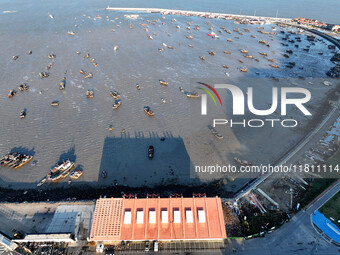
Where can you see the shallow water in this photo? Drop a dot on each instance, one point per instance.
(78, 128)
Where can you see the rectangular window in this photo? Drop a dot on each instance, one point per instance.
(165, 216)
(127, 217)
(140, 216)
(152, 216)
(188, 215)
(201, 215)
(177, 215)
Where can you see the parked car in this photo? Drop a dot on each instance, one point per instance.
(151, 151)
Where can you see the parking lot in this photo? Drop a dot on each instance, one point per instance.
(172, 246)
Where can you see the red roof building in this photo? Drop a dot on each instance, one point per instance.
(135, 219)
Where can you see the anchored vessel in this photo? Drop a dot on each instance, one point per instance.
(60, 171)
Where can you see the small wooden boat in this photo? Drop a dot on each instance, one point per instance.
(163, 100)
(249, 56)
(192, 95)
(90, 75)
(164, 83)
(55, 103)
(215, 133)
(78, 52)
(116, 104)
(71, 33)
(29, 52)
(275, 66)
(242, 162)
(263, 54)
(202, 58)
(253, 36)
(92, 60)
(11, 93)
(229, 40)
(44, 75)
(51, 56)
(244, 51)
(23, 87)
(262, 41)
(42, 182)
(225, 66)
(75, 174)
(62, 84)
(227, 52)
(148, 111)
(212, 53)
(244, 70)
(170, 47)
(87, 55)
(191, 46)
(181, 89)
(15, 57)
(137, 86)
(271, 60)
(115, 94)
(82, 72)
(257, 60)
(90, 93)
(190, 37)
(22, 114)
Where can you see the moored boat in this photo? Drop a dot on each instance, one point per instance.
(60, 171)
(242, 162)
(76, 174)
(55, 103)
(192, 95)
(89, 93)
(148, 111)
(115, 94)
(164, 83)
(116, 104)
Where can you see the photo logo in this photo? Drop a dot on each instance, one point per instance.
(239, 99)
(204, 97)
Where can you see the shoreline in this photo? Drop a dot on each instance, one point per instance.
(193, 13)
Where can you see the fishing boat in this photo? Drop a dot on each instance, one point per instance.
(76, 174)
(137, 86)
(215, 133)
(192, 95)
(42, 182)
(191, 46)
(253, 36)
(263, 54)
(90, 75)
(55, 103)
(148, 111)
(262, 41)
(29, 52)
(116, 104)
(23, 161)
(115, 94)
(242, 162)
(22, 114)
(190, 37)
(15, 57)
(275, 66)
(244, 70)
(23, 87)
(60, 171)
(62, 84)
(202, 58)
(229, 40)
(244, 51)
(164, 83)
(82, 72)
(89, 93)
(163, 100)
(225, 66)
(212, 53)
(78, 52)
(11, 93)
(44, 75)
(71, 33)
(249, 56)
(87, 55)
(51, 56)
(227, 52)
